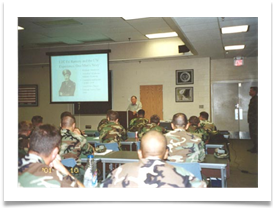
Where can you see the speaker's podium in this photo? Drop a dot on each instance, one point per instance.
(125, 117)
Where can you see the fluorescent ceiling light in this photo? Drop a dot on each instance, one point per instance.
(235, 29)
(20, 28)
(131, 18)
(234, 47)
(162, 35)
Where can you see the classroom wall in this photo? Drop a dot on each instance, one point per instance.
(127, 76)
(224, 70)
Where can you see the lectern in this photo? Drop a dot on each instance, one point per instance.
(125, 117)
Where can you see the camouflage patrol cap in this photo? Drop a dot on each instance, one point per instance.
(66, 71)
(222, 155)
(101, 148)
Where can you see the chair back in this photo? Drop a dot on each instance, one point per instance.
(138, 145)
(193, 168)
(113, 146)
(131, 134)
(69, 162)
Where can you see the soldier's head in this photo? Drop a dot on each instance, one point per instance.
(25, 128)
(179, 121)
(155, 119)
(194, 121)
(153, 145)
(108, 113)
(134, 99)
(45, 141)
(141, 113)
(65, 113)
(37, 120)
(113, 116)
(68, 122)
(203, 115)
(66, 73)
(253, 91)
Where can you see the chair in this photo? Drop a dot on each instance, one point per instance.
(113, 146)
(131, 134)
(138, 145)
(193, 168)
(96, 134)
(69, 162)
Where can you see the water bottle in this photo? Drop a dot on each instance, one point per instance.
(90, 176)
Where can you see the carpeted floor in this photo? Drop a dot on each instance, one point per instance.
(241, 159)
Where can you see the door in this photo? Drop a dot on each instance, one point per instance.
(151, 97)
(230, 106)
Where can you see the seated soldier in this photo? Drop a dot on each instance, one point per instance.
(153, 125)
(24, 131)
(113, 131)
(104, 121)
(137, 123)
(204, 123)
(152, 171)
(37, 121)
(76, 129)
(194, 128)
(73, 145)
(183, 146)
(42, 166)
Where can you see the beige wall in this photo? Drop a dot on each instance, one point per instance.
(223, 69)
(127, 76)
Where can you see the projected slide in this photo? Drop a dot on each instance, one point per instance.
(79, 78)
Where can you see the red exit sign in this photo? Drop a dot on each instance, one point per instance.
(238, 61)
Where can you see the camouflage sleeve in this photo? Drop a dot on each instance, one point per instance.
(101, 124)
(132, 123)
(201, 151)
(195, 182)
(41, 175)
(86, 148)
(123, 134)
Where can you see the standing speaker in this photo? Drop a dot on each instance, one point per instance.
(183, 49)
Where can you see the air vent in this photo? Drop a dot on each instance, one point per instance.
(57, 23)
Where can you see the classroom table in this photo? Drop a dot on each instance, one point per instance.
(215, 167)
(211, 167)
(129, 141)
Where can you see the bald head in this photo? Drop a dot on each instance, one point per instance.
(153, 144)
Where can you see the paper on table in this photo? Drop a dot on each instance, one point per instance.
(104, 153)
(95, 137)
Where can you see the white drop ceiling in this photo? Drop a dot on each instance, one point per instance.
(202, 35)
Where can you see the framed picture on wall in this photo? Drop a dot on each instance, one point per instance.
(184, 94)
(28, 95)
(184, 77)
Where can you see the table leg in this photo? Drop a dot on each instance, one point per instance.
(223, 177)
(104, 170)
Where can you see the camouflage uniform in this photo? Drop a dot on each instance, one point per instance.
(151, 173)
(112, 132)
(151, 126)
(137, 123)
(199, 131)
(72, 146)
(102, 123)
(33, 172)
(23, 148)
(207, 125)
(184, 146)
